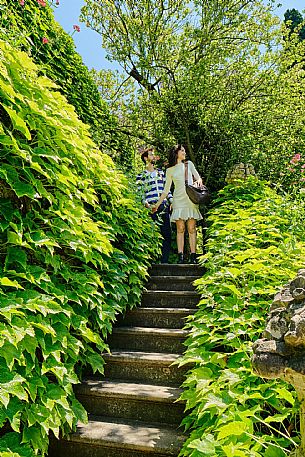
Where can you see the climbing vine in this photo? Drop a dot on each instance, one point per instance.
(74, 249)
(31, 27)
(255, 245)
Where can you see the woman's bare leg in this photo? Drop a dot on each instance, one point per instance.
(191, 228)
(180, 234)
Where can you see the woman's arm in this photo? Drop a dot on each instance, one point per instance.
(155, 207)
(168, 183)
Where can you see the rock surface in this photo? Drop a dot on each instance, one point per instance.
(281, 351)
(240, 171)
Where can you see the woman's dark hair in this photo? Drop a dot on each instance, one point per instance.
(173, 155)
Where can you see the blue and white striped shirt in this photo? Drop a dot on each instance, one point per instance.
(151, 185)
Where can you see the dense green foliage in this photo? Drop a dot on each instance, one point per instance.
(74, 249)
(215, 75)
(26, 26)
(254, 247)
(295, 22)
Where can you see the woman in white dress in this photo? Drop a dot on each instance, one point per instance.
(185, 212)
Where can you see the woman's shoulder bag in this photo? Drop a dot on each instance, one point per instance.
(196, 194)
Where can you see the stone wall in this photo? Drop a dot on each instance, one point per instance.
(280, 353)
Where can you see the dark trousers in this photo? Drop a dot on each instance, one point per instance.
(162, 215)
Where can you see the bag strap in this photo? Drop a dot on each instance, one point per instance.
(186, 177)
(186, 173)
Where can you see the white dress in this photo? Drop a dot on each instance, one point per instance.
(183, 207)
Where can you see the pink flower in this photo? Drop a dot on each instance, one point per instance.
(41, 2)
(291, 169)
(302, 179)
(296, 158)
(76, 27)
(303, 166)
(21, 2)
(57, 2)
(45, 40)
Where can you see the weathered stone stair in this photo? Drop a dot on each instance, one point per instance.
(135, 411)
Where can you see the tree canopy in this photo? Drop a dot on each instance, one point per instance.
(210, 74)
(295, 22)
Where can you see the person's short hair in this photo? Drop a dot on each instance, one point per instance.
(145, 153)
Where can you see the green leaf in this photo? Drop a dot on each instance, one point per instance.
(4, 281)
(285, 394)
(232, 450)
(97, 363)
(34, 436)
(18, 122)
(22, 189)
(233, 428)
(79, 411)
(206, 445)
(4, 398)
(14, 238)
(276, 418)
(15, 255)
(11, 442)
(232, 288)
(274, 451)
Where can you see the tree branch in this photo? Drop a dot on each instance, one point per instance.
(140, 79)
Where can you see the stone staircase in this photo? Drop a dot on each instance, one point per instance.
(135, 411)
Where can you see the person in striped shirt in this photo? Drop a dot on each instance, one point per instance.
(150, 185)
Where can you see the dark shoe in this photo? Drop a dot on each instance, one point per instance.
(180, 257)
(193, 257)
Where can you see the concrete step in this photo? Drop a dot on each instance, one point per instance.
(148, 339)
(156, 317)
(171, 282)
(147, 367)
(170, 299)
(102, 437)
(176, 270)
(121, 399)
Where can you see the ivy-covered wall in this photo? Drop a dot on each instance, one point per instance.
(30, 26)
(74, 250)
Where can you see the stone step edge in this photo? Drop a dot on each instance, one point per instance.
(143, 310)
(179, 293)
(189, 278)
(120, 389)
(181, 266)
(127, 434)
(157, 358)
(155, 331)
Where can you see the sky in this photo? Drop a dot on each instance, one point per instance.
(88, 43)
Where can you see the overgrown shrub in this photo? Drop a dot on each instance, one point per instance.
(74, 250)
(31, 27)
(255, 244)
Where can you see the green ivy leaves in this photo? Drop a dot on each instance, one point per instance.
(255, 244)
(75, 246)
(24, 27)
